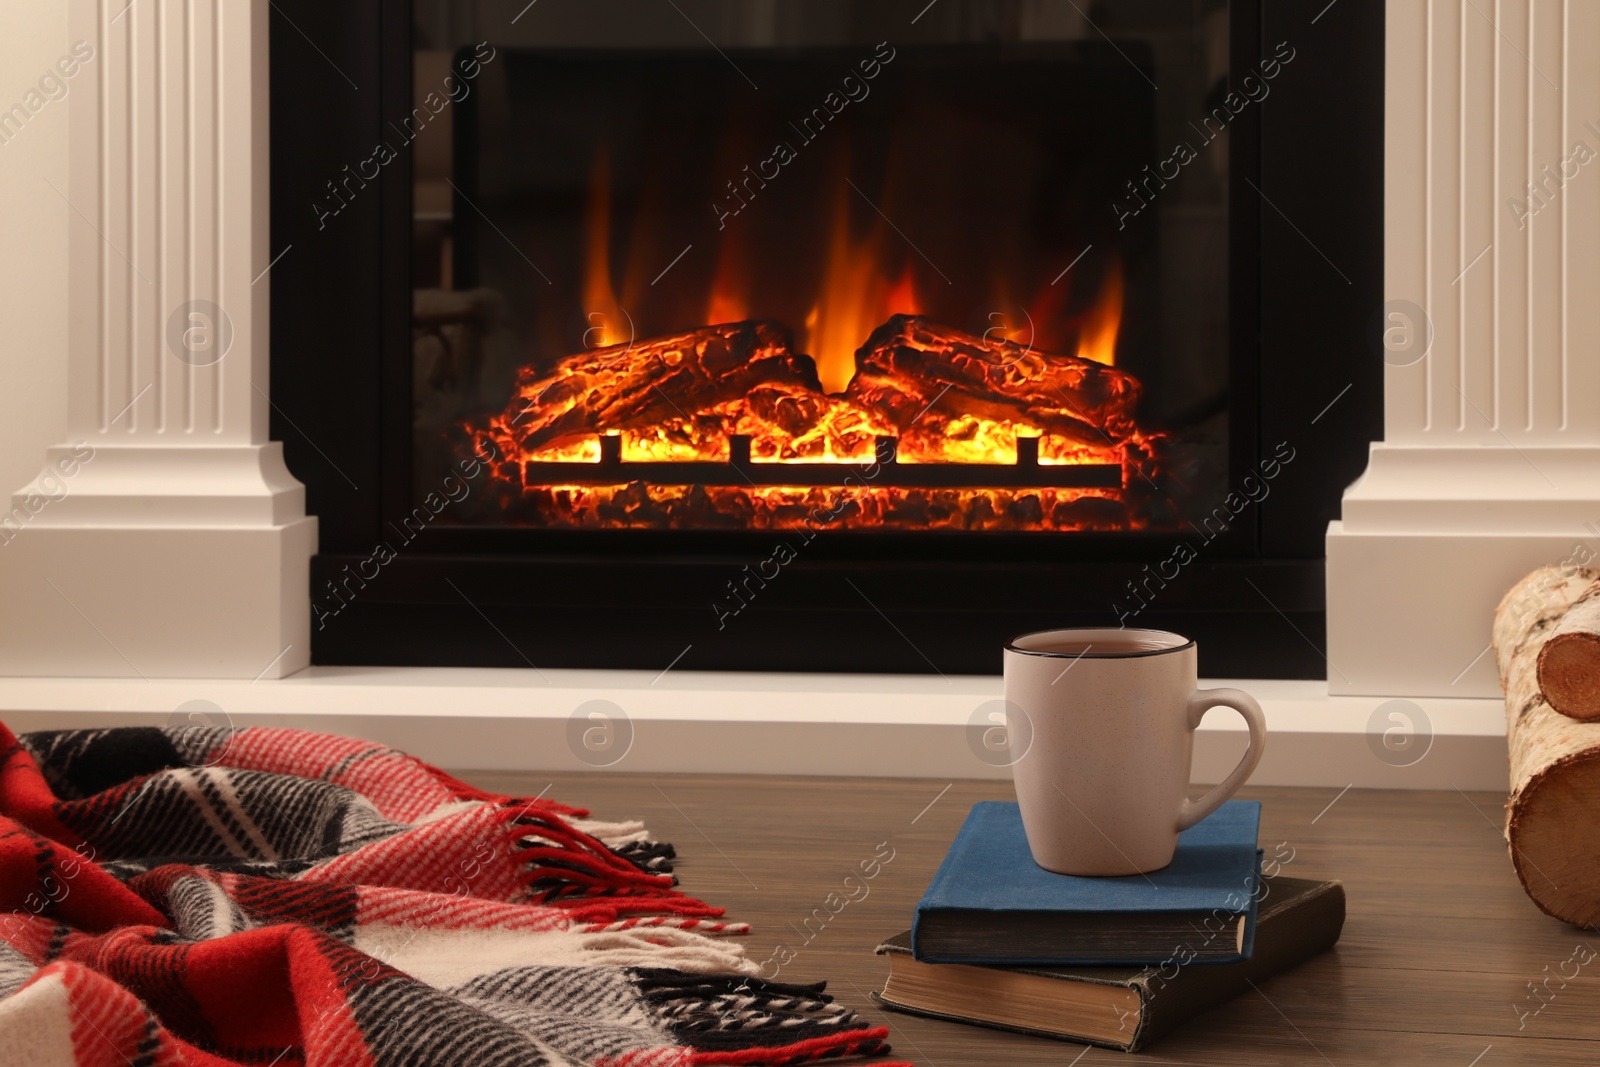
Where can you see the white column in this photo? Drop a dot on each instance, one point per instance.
(165, 537)
(1490, 463)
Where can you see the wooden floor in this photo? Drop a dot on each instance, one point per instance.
(1434, 966)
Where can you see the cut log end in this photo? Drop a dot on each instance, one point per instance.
(1555, 837)
(1569, 674)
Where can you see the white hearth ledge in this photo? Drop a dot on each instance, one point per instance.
(778, 724)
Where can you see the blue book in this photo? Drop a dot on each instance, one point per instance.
(989, 903)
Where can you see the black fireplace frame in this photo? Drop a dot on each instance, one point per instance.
(1305, 285)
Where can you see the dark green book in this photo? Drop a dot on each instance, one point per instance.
(1119, 1007)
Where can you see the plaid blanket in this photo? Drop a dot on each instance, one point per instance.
(205, 896)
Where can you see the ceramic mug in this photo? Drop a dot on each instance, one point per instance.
(1110, 716)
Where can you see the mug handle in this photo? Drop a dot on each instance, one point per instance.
(1202, 701)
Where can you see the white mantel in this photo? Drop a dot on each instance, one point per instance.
(164, 537)
(1490, 463)
(180, 552)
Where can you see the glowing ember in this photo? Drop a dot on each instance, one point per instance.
(937, 395)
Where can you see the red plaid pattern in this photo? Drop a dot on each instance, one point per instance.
(265, 896)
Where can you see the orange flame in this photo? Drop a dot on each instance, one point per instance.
(730, 289)
(1046, 327)
(902, 295)
(1097, 337)
(604, 316)
(855, 294)
(855, 298)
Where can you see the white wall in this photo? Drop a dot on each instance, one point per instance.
(33, 245)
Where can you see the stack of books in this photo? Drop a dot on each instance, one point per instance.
(999, 941)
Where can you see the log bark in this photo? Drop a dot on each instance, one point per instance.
(1553, 815)
(913, 368)
(647, 383)
(912, 376)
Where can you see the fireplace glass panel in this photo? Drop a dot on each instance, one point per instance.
(850, 264)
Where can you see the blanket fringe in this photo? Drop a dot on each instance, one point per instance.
(561, 861)
(729, 1020)
(872, 1042)
(667, 947)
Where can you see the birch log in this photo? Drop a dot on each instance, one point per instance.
(1553, 823)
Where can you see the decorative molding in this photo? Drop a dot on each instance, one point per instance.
(1489, 210)
(166, 537)
(170, 180)
(1490, 465)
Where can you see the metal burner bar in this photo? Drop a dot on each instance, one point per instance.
(1026, 473)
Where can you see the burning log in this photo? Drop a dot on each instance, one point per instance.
(915, 372)
(729, 426)
(645, 384)
(914, 379)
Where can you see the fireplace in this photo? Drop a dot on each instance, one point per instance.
(728, 324)
(175, 562)
(827, 336)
